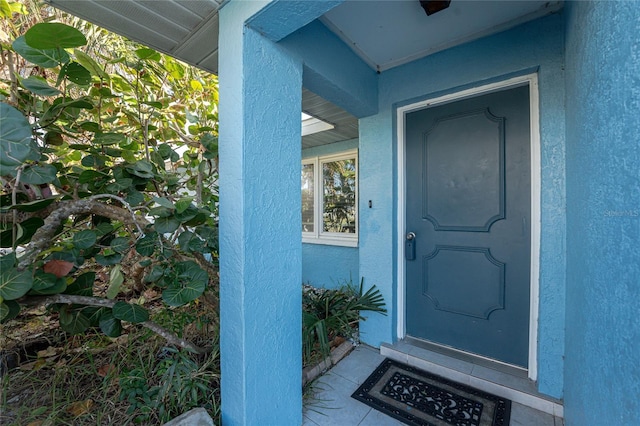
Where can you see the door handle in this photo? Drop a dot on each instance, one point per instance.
(410, 246)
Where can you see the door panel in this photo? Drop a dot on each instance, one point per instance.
(468, 202)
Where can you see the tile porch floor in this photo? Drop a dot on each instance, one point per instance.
(333, 405)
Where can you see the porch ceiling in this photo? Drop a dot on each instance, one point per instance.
(386, 34)
(383, 33)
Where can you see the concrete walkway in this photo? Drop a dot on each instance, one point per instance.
(334, 406)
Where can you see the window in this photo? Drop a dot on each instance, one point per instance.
(330, 199)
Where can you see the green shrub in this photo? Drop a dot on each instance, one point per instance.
(327, 313)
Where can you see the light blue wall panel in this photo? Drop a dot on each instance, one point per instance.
(602, 380)
(535, 46)
(327, 265)
(260, 222)
(333, 71)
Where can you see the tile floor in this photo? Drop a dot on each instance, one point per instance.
(333, 405)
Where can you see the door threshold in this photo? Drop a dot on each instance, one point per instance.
(470, 357)
(498, 379)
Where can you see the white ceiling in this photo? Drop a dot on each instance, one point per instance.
(387, 33)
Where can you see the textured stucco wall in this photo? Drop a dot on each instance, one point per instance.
(329, 265)
(332, 70)
(260, 222)
(537, 45)
(602, 379)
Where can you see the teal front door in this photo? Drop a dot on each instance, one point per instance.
(468, 211)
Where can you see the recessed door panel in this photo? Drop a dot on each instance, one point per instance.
(464, 182)
(468, 204)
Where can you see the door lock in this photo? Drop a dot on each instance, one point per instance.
(410, 246)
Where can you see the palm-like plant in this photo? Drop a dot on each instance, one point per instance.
(330, 313)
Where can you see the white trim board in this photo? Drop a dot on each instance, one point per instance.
(536, 168)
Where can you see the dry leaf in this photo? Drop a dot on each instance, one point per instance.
(79, 408)
(36, 423)
(105, 370)
(49, 352)
(59, 268)
(35, 365)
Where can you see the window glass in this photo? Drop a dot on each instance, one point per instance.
(339, 196)
(307, 198)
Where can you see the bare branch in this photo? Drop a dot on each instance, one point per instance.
(41, 240)
(107, 303)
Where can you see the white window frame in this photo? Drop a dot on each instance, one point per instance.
(318, 236)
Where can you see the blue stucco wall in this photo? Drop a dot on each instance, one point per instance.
(260, 222)
(602, 379)
(329, 265)
(535, 46)
(332, 70)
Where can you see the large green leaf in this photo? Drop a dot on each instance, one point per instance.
(91, 65)
(53, 137)
(46, 58)
(180, 295)
(83, 285)
(76, 73)
(154, 275)
(108, 138)
(108, 259)
(184, 239)
(7, 261)
(73, 322)
(115, 281)
(47, 283)
(53, 35)
(109, 325)
(147, 244)
(185, 216)
(166, 225)
(9, 309)
(84, 239)
(27, 228)
(39, 174)
(134, 197)
(80, 103)
(142, 168)
(164, 202)
(15, 136)
(39, 86)
(191, 283)
(4, 311)
(191, 271)
(183, 203)
(5, 12)
(146, 53)
(24, 232)
(120, 244)
(14, 284)
(91, 176)
(119, 185)
(129, 312)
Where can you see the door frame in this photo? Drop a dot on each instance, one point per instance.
(536, 171)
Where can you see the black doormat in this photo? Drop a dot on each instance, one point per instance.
(418, 398)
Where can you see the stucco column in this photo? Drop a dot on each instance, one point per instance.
(260, 223)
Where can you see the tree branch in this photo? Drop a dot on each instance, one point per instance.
(41, 240)
(108, 303)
